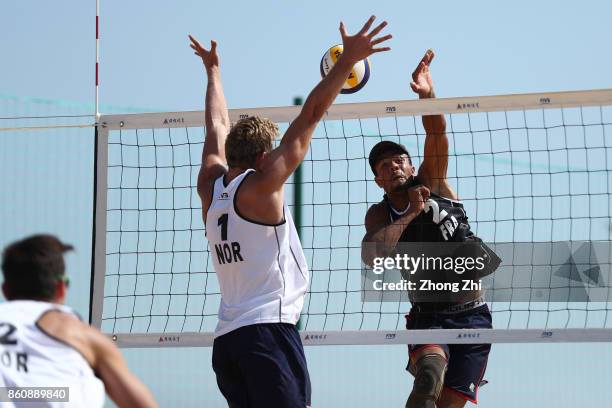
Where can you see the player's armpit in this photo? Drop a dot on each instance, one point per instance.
(206, 182)
(213, 167)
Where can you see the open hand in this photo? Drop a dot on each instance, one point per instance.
(209, 57)
(422, 83)
(362, 45)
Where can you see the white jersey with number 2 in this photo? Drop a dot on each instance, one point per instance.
(261, 268)
(29, 357)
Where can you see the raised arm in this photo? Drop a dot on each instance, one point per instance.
(283, 160)
(435, 163)
(217, 121)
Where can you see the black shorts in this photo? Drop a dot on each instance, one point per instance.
(262, 365)
(466, 362)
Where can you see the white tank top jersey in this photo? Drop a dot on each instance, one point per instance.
(31, 358)
(261, 269)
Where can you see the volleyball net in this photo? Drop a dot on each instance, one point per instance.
(531, 170)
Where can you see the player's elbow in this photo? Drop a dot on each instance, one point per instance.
(367, 258)
(367, 253)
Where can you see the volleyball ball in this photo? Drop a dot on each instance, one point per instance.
(359, 74)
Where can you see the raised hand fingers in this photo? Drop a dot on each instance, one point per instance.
(343, 32)
(360, 45)
(194, 42)
(381, 39)
(424, 64)
(384, 38)
(419, 69)
(196, 46)
(428, 57)
(377, 29)
(381, 49)
(367, 25)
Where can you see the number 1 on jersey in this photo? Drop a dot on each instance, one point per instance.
(223, 223)
(227, 252)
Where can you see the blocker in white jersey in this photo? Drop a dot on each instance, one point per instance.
(258, 355)
(31, 357)
(261, 268)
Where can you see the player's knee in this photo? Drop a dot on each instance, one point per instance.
(428, 381)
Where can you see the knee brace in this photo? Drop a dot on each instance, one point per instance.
(428, 381)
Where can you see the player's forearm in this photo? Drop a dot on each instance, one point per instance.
(121, 385)
(434, 125)
(216, 116)
(324, 94)
(216, 106)
(318, 102)
(132, 393)
(382, 243)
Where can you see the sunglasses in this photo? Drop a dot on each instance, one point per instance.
(65, 279)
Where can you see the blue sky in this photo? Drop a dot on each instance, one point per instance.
(270, 52)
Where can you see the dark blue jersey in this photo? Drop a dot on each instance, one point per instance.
(445, 220)
(442, 220)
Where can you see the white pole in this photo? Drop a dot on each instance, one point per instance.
(97, 58)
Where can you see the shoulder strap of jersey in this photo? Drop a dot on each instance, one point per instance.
(233, 185)
(219, 187)
(38, 309)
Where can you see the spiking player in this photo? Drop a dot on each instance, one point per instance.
(424, 208)
(257, 353)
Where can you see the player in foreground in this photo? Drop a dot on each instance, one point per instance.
(424, 208)
(258, 356)
(45, 344)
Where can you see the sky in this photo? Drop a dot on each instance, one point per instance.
(270, 52)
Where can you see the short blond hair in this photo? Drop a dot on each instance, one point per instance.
(247, 139)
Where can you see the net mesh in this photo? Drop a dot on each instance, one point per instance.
(532, 176)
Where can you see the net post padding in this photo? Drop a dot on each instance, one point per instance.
(99, 227)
